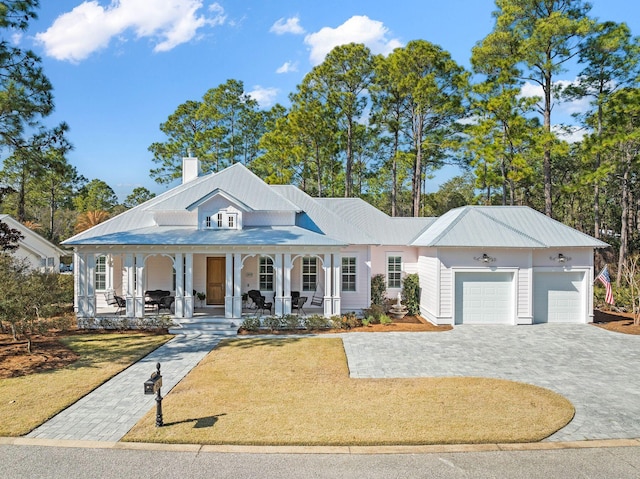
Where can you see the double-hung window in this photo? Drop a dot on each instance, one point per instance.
(349, 273)
(309, 273)
(101, 273)
(394, 271)
(266, 273)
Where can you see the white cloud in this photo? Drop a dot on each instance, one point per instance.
(358, 29)
(288, 25)
(570, 134)
(89, 27)
(264, 96)
(288, 67)
(580, 105)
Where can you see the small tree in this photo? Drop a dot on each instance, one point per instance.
(631, 275)
(9, 237)
(28, 298)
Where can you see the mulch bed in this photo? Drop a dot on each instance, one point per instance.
(613, 321)
(408, 323)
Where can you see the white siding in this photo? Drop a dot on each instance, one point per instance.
(524, 312)
(356, 300)
(446, 294)
(428, 273)
(159, 273)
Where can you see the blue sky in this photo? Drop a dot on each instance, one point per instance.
(120, 68)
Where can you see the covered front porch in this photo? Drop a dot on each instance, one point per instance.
(212, 282)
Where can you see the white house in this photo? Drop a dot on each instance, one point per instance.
(40, 253)
(229, 232)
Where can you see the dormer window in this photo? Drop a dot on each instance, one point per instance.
(228, 219)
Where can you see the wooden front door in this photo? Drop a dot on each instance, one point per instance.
(216, 275)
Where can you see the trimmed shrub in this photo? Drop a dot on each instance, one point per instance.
(273, 323)
(290, 321)
(378, 289)
(411, 293)
(315, 321)
(251, 323)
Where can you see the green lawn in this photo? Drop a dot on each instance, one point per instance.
(297, 391)
(28, 401)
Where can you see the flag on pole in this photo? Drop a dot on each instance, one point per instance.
(605, 279)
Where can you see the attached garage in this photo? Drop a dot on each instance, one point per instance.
(484, 298)
(558, 297)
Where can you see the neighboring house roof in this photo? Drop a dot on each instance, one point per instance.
(503, 227)
(33, 242)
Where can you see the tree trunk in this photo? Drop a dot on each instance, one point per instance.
(546, 166)
(417, 170)
(394, 175)
(624, 220)
(349, 166)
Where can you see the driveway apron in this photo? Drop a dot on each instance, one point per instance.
(597, 370)
(107, 413)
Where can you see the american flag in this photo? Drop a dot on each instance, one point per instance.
(605, 279)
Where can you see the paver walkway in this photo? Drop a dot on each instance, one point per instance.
(597, 370)
(110, 411)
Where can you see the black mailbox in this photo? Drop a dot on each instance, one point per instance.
(153, 384)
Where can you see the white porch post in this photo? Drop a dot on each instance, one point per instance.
(278, 299)
(129, 268)
(337, 282)
(237, 285)
(286, 299)
(188, 286)
(326, 266)
(179, 267)
(140, 281)
(80, 279)
(228, 290)
(90, 286)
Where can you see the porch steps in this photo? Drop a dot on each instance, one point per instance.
(214, 326)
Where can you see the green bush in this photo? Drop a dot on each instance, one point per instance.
(384, 319)
(251, 323)
(290, 321)
(315, 321)
(273, 323)
(346, 321)
(378, 289)
(411, 293)
(375, 311)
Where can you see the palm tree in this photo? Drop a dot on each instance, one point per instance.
(89, 219)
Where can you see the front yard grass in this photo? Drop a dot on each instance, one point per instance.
(297, 391)
(28, 401)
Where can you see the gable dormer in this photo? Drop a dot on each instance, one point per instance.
(219, 210)
(229, 218)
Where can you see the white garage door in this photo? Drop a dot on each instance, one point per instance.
(557, 298)
(484, 298)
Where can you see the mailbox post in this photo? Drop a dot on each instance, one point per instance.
(152, 386)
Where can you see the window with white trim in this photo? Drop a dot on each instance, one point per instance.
(101, 273)
(222, 220)
(266, 273)
(348, 273)
(394, 271)
(309, 273)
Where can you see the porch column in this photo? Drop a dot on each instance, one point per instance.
(237, 285)
(326, 266)
(80, 278)
(286, 299)
(278, 297)
(129, 268)
(179, 267)
(188, 286)
(90, 305)
(228, 289)
(140, 285)
(337, 282)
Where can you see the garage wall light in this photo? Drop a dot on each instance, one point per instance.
(560, 258)
(485, 258)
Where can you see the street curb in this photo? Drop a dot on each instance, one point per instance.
(361, 450)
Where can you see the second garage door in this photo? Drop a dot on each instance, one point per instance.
(558, 298)
(484, 298)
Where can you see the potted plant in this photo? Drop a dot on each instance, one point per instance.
(201, 297)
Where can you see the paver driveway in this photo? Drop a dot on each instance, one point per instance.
(597, 370)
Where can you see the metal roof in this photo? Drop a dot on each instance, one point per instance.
(385, 230)
(503, 227)
(190, 236)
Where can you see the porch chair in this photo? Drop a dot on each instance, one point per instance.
(114, 300)
(259, 300)
(298, 302)
(317, 299)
